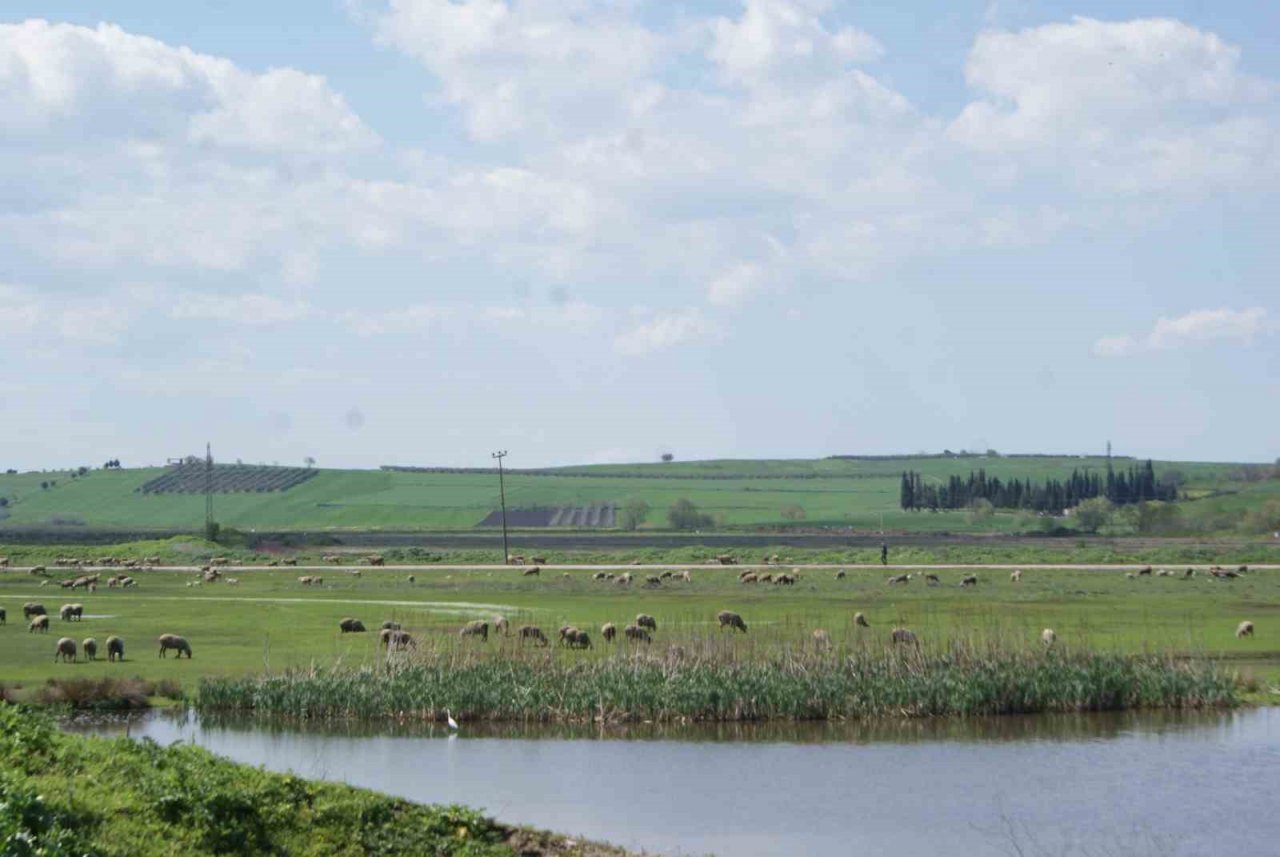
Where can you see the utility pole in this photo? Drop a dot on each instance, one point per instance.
(502, 495)
(208, 492)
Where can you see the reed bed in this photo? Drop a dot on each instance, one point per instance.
(722, 681)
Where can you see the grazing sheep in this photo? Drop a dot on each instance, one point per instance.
(902, 635)
(115, 649)
(686, 576)
(1244, 629)
(178, 644)
(90, 646)
(305, 580)
(667, 575)
(233, 581)
(766, 578)
(1048, 637)
(1015, 576)
(898, 578)
(1244, 569)
(1164, 572)
(501, 626)
(532, 571)
(32, 609)
(1144, 571)
(579, 639)
(389, 625)
(412, 579)
(39, 569)
(969, 580)
(219, 560)
(397, 641)
(1129, 575)
(565, 634)
(636, 634)
(331, 557)
(538, 560)
(726, 559)
(377, 560)
(351, 626)
(731, 620)
(821, 639)
(515, 559)
(1191, 572)
(71, 612)
(4, 562)
(609, 631)
(653, 580)
(39, 623)
(748, 577)
(785, 580)
(860, 620)
(644, 620)
(3, 617)
(841, 575)
(623, 579)
(599, 575)
(66, 650)
(478, 628)
(291, 561)
(529, 632)
(126, 582)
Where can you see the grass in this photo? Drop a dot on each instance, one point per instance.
(270, 623)
(63, 795)
(716, 680)
(741, 494)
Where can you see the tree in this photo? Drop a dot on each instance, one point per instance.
(309, 461)
(634, 513)
(668, 457)
(979, 511)
(684, 515)
(1093, 514)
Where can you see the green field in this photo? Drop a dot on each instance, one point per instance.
(862, 494)
(269, 622)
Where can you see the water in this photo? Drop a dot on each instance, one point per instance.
(1152, 784)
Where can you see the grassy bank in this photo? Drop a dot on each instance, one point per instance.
(714, 681)
(69, 795)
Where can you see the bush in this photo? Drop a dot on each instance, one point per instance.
(634, 513)
(684, 515)
(1093, 514)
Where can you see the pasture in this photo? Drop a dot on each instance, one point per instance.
(269, 622)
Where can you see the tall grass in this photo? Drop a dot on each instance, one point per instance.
(714, 681)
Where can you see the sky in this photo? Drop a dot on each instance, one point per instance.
(418, 231)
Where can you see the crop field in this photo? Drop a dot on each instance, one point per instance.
(270, 622)
(862, 494)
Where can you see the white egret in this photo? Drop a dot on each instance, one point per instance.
(453, 724)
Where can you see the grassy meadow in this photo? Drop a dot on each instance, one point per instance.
(269, 623)
(861, 494)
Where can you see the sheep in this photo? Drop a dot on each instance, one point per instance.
(290, 561)
(902, 635)
(115, 649)
(389, 625)
(1164, 572)
(3, 617)
(969, 580)
(731, 620)
(1015, 576)
(623, 579)
(178, 644)
(412, 579)
(841, 574)
(1244, 629)
(538, 560)
(599, 575)
(233, 581)
(351, 626)
(532, 571)
(1129, 575)
(529, 632)
(898, 578)
(653, 580)
(748, 577)
(608, 631)
(478, 628)
(933, 580)
(71, 611)
(743, 574)
(579, 639)
(644, 620)
(90, 646)
(821, 639)
(637, 634)
(1145, 571)
(377, 560)
(726, 559)
(305, 579)
(37, 570)
(397, 640)
(32, 609)
(785, 580)
(515, 559)
(667, 575)
(220, 560)
(4, 562)
(1191, 572)
(501, 626)
(765, 578)
(565, 634)
(66, 649)
(686, 576)
(1048, 637)
(860, 620)
(39, 623)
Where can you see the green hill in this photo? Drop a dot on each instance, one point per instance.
(844, 492)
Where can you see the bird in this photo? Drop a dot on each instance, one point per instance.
(453, 724)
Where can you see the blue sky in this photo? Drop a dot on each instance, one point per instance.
(414, 231)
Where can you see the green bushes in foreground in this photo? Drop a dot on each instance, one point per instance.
(69, 795)
(710, 683)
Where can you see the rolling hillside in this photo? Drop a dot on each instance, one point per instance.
(740, 494)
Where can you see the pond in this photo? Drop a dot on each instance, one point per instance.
(1145, 784)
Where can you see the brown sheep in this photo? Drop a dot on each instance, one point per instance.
(396, 641)
(623, 579)
(39, 569)
(377, 560)
(902, 635)
(478, 628)
(767, 577)
(969, 580)
(305, 579)
(501, 626)
(66, 649)
(731, 620)
(39, 623)
(784, 580)
(90, 646)
(351, 626)
(529, 632)
(821, 639)
(667, 575)
(748, 577)
(1048, 637)
(70, 612)
(579, 639)
(565, 634)
(1244, 629)
(538, 560)
(726, 559)
(860, 620)
(932, 580)
(608, 631)
(389, 625)
(178, 644)
(637, 634)
(32, 609)
(115, 649)
(644, 620)
(532, 571)
(1145, 571)
(290, 561)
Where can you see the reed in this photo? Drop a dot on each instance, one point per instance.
(719, 680)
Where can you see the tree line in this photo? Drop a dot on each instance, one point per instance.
(1137, 484)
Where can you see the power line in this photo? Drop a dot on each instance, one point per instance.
(502, 495)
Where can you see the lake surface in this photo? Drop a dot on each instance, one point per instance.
(1141, 784)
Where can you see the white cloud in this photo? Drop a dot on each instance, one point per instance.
(737, 285)
(28, 313)
(410, 319)
(1203, 325)
(245, 309)
(776, 38)
(666, 330)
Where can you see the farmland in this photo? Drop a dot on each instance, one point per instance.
(738, 495)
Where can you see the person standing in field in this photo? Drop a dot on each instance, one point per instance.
(884, 553)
